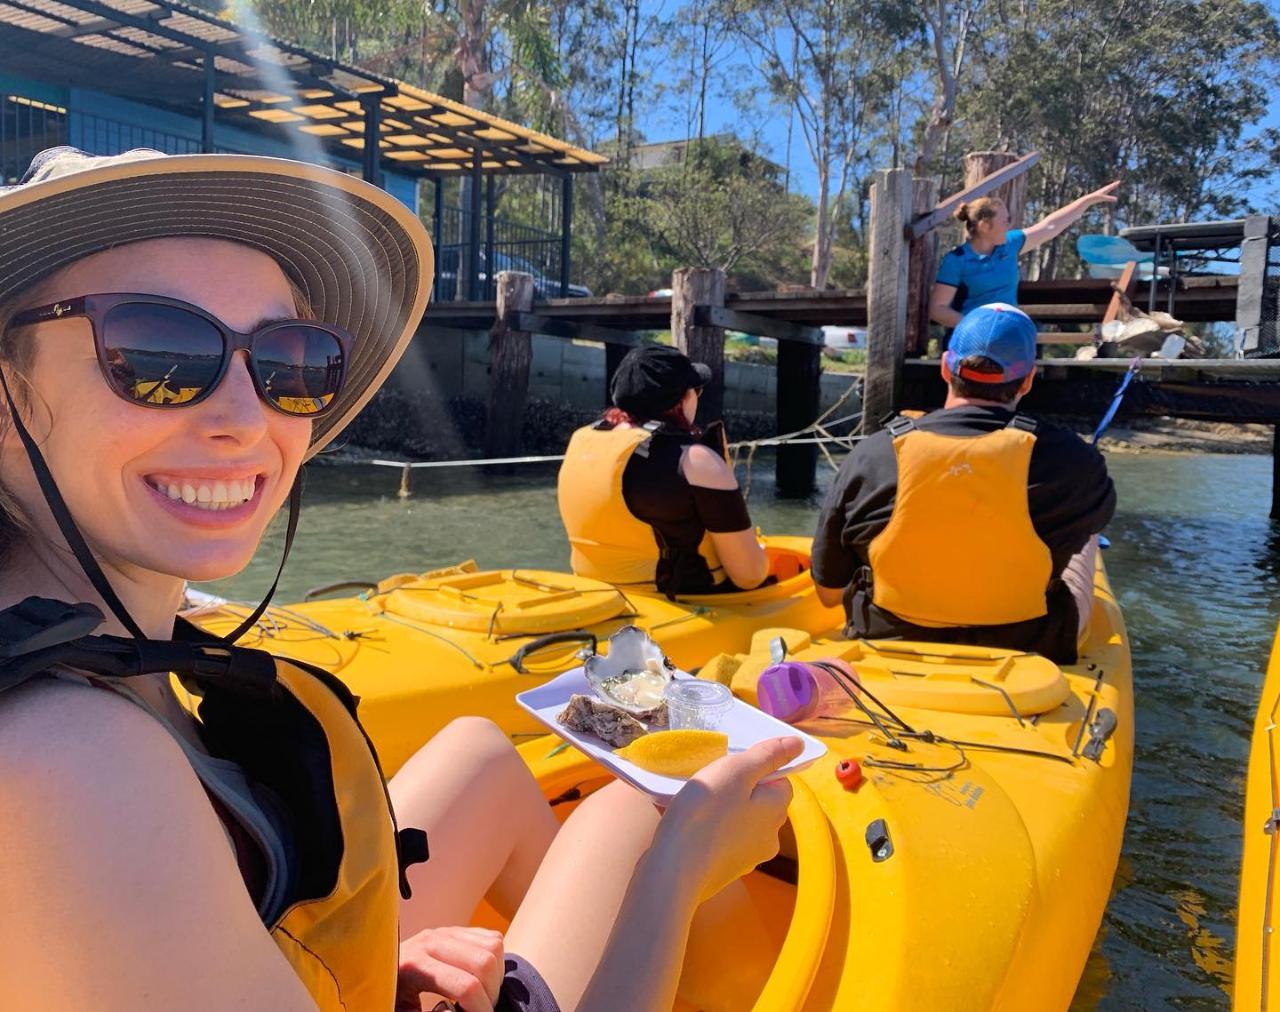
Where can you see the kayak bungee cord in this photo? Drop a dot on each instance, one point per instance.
(848, 684)
(839, 676)
(933, 738)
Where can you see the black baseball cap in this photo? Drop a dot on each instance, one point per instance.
(653, 378)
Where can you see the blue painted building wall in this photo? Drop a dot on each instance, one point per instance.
(106, 124)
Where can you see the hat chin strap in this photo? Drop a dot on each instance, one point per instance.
(80, 549)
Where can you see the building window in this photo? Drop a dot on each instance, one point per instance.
(27, 127)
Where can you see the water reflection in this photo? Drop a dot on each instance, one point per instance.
(1195, 562)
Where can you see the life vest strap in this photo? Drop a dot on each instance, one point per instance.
(411, 848)
(900, 426)
(39, 633)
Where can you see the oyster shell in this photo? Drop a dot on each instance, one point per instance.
(612, 723)
(633, 674)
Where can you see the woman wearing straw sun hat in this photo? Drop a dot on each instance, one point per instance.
(177, 336)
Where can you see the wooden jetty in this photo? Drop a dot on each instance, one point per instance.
(893, 308)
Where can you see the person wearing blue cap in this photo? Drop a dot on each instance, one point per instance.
(973, 524)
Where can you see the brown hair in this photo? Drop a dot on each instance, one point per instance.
(675, 417)
(16, 356)
(974, 212)
(1003, 393)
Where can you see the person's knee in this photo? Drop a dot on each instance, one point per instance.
(476, 736)
(480, 730)
(621, 804)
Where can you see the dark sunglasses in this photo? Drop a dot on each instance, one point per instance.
(163, 353)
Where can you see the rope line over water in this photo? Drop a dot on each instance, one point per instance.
(818, 433)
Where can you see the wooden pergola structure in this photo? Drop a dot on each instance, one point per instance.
(173, 56)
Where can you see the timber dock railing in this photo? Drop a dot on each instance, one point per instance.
(894, 309)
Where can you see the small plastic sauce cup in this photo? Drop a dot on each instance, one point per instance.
(696, 704)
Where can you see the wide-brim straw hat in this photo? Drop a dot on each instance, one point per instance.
(362, 258)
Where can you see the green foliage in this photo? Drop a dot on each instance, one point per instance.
(1167, 95)
(718, 206)
(1158, 93)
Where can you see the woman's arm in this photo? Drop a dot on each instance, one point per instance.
(1049, 227)
(940, 310)
(743, 558)
(119, 888)
(720, 826)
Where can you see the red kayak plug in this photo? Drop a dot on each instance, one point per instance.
(849, 773)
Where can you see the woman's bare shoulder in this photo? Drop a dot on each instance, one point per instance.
(67, 748)
(53, 727)
(110, 835)
(704, 467)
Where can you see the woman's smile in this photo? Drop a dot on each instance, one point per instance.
(208, 498)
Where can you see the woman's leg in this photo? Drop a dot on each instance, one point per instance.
(568, 912)
(488, 826)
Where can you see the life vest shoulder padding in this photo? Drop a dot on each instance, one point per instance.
(606, 542)
(344, 945)
(960, 548)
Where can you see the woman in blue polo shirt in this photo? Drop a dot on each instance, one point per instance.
(984, 268)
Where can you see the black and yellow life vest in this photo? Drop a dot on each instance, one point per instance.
(960, 548)
(606, 541)
(292, 729)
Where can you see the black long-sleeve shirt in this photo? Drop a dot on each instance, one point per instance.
(1069, 495)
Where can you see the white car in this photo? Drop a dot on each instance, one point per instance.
(844, 338)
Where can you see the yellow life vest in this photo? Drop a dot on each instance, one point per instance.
(960, 548)
(343, 941)
(606, 541)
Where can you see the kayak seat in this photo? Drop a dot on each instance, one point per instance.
(955, 678)
(504, 602)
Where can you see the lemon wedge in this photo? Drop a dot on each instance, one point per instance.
(676, 753)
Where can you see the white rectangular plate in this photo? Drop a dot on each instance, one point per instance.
(745, 725)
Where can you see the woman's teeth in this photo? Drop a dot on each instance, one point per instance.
(217, 495)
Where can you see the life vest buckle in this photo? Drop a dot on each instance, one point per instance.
(900, 426)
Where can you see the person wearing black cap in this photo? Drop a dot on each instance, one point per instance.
(974, 524)
(648, 499)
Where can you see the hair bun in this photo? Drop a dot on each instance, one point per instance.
(962, 213)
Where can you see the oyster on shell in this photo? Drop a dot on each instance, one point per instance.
(612, 723)
(633, 674)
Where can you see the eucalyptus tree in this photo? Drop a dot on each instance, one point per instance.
(1168, 95)
(830, 62)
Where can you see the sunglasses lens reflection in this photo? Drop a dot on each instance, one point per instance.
(160, 354)
(300, 368)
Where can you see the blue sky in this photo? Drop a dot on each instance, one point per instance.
(664, 120)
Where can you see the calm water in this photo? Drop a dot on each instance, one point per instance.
(1194, 560)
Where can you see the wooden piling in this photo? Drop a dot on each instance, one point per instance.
(978, 164)
(798, 396)
(891, 201)
(692, 287)
(510, 354)
(922, 266)
(1255, 317)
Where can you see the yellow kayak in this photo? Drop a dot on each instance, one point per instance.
(1257, 977)
(422, 649)
(969, 871)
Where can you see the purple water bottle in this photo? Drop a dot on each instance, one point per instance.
(796, 691)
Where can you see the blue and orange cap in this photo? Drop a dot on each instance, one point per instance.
(1000, 332)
